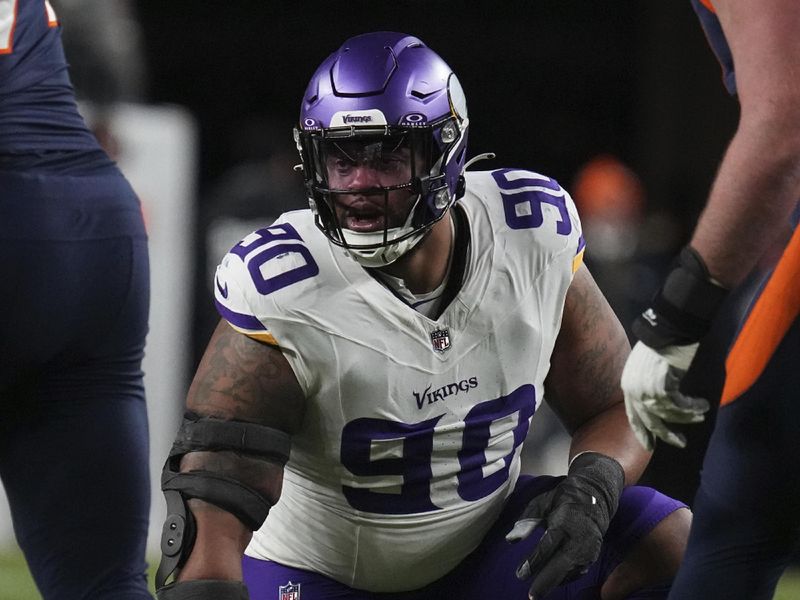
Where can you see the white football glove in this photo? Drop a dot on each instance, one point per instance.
(650, 382)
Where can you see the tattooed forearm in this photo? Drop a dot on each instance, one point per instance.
(239, 378)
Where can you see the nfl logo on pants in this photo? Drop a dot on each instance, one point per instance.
(290, 591)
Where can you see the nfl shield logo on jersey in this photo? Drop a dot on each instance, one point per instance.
(440, 339)
(290, 591)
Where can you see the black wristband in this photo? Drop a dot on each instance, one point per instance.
(604, 474)
(683, 309)
(204, 589)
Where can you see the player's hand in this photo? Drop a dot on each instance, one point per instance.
(650, 382)
(576, 514)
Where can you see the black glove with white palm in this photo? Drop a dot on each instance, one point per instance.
(669, 332)
(576, 514)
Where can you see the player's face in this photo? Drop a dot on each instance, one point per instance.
(366, 168)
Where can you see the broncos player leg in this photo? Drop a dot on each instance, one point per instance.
(748, 504)
(74, 293)
(73, 422)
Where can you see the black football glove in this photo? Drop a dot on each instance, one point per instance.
(576, 514)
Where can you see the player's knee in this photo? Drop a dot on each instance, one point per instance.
(654, 560)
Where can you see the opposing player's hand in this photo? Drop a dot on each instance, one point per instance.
(576, 514)
(650, 382)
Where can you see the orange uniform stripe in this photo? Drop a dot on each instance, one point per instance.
(772, 315)
(52, 20)
(8, 46)
(708, 5)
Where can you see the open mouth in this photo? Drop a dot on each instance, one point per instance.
(361, 217)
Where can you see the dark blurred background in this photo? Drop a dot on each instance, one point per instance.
(550, 85)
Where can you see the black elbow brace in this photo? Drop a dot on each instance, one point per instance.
(241, 500)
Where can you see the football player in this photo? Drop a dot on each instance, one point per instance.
(74, 296)
(748, 502)
(379, 361)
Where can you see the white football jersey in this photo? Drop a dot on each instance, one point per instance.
(413, 428)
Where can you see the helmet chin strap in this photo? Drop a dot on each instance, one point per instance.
(383, 255)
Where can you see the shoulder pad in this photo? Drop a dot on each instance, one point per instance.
(520, 202)
(274, 274)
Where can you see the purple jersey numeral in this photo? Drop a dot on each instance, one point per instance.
(282, 231)
(360, 436)
(523, 198)
(267, 285)
(407, 451)
(472, 484)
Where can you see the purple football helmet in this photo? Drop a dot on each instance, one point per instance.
(380, 92)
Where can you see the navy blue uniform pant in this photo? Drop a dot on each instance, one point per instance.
(747, 510)
(74, 300)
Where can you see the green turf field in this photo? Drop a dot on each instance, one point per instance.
(16, 583)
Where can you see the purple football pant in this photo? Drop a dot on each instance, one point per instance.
(489, 571)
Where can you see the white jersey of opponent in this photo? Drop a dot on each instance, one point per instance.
(413, 428)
